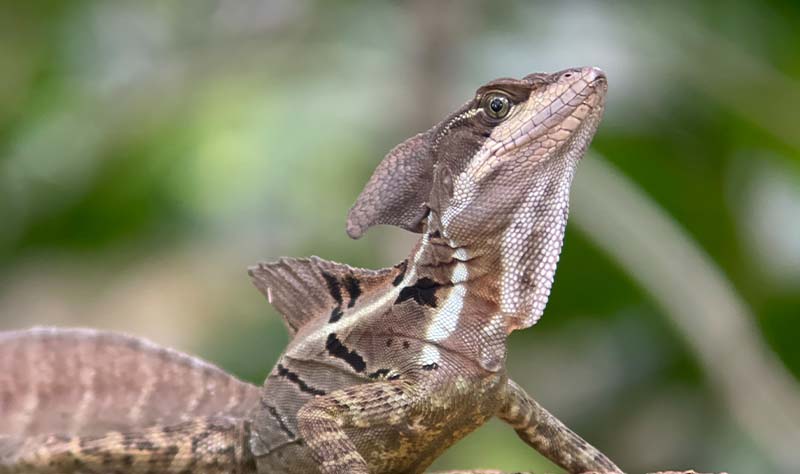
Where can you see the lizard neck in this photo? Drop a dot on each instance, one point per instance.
(476, 290)
(458, 285)
(511, 256)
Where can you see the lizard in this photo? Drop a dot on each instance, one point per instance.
(385, 369)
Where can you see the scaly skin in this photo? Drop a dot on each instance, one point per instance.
(208, 446)
(386, 369)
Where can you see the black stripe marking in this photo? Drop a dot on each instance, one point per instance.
(353, 287)
(333, 287)
(130, 441)
(423, 292)
(145, 445)
(198, 439)
(379, 373)
(281, 424)
(338, 350)
(403, 266)
(336, 314)
(295, 379)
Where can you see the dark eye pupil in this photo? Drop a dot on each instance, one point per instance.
(497, 104)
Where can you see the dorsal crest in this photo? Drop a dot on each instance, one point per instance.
(302, 289)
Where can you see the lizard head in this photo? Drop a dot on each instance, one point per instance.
(494, 177)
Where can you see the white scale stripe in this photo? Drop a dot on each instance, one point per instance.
(460, 273)
(430, 354)
(460, 253)
(445, 320)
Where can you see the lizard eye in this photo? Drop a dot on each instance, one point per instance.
(497, 105)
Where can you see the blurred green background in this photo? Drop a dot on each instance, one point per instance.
(150, 151)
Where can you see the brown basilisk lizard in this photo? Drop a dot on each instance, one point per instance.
(385, 369)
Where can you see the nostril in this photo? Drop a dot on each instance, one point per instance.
(594, 73)
(567, 75)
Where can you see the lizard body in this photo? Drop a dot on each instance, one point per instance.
(385, 369)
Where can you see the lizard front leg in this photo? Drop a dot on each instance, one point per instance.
(323, 419)
(204, 446)
(547, 435)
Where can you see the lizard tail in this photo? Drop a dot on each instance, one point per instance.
(203, 446)
(81, 382)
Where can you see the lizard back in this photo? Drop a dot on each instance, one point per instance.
(88, 382)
